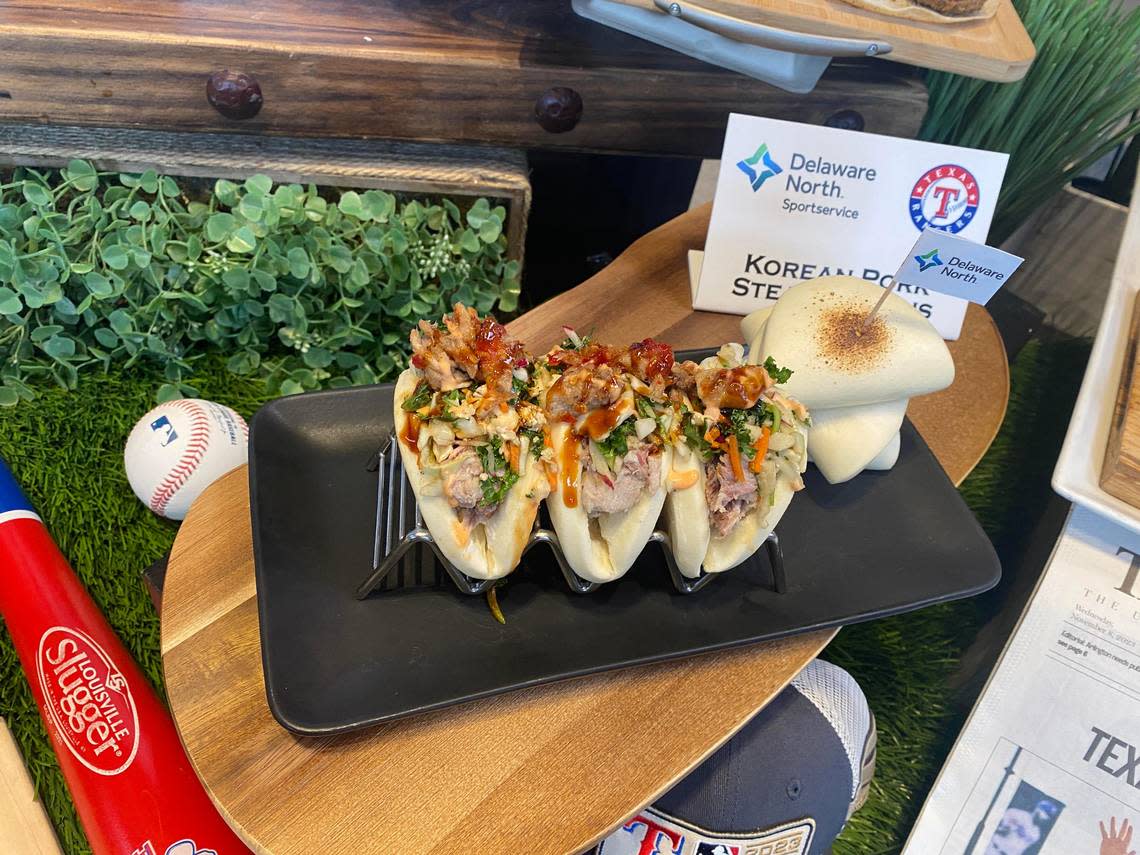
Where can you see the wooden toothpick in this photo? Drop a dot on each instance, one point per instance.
(867, 320)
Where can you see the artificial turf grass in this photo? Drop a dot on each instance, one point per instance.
(66, 450)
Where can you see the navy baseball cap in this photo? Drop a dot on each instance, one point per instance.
(785, 784)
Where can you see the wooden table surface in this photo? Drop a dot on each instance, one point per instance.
(547, 769)
(402, 70)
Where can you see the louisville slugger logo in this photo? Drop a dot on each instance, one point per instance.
(88, 699)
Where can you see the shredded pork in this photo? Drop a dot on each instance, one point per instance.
(640, 471)
(728, 499)
(447, 356)
(461, 485)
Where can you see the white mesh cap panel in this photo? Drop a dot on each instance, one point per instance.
(839, 699)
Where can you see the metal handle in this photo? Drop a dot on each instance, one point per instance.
(769, 37)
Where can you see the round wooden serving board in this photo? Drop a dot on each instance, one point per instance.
(549, 769)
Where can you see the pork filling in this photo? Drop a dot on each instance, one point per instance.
(729, 499)
(639, 472)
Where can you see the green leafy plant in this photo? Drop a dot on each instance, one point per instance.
(305, 290)
(1076, 104)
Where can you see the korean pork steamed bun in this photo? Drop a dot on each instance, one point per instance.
(855, 382)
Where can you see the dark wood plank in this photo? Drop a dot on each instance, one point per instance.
(401, 70)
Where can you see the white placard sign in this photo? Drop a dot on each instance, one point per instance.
(795, 202)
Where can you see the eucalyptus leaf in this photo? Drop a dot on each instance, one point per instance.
(9, 302)
(351, 205)
(220, 226)
(81, 174)
(115, 257)
(168, 392)
(37, 194)
(243, 240)
(59, 347)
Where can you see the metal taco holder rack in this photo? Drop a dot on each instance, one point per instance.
(400, 529)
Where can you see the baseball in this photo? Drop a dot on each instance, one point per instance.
(178, 449)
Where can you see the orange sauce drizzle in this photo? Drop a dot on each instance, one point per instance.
(410, 435)
(569, 470)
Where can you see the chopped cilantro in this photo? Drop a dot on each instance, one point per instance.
(568, 343)
(518, 387)
(695, 437)
(537, 440)
(738, 421)
(499, 478)
(780, 375)
(421, 397)
(645, 408)
(449, 400)
(617, 443)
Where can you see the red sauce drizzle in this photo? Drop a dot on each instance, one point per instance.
(410, 435)
(650, 358)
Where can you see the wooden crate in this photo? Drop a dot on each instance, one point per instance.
(389, 69)
(1120, 473)
(420, 169)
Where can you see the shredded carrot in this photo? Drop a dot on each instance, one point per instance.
(493, 605)
(734, 457)
(761, 448)
(712, 435)
(513, 455)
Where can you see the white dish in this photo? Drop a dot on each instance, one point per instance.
(1077, 474)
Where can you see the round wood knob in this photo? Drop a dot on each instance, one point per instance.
(847, 120)
(234, 94)
(558, 109)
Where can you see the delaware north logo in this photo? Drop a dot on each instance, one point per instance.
(944, 198)
(928, 260)
(767, 167)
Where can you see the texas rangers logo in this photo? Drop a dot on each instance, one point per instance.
(944, 198)
(164, 430)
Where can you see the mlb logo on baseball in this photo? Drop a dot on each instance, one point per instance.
(197, 443)
(164, 430)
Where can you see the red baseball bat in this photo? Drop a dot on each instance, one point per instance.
(130, 779)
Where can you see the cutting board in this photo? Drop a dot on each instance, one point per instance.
(548, 769)
(1120, 474)
(997, 48)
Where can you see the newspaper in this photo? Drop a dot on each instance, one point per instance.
(1049, 761)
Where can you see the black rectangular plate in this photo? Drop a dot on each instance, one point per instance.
(881, 544)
